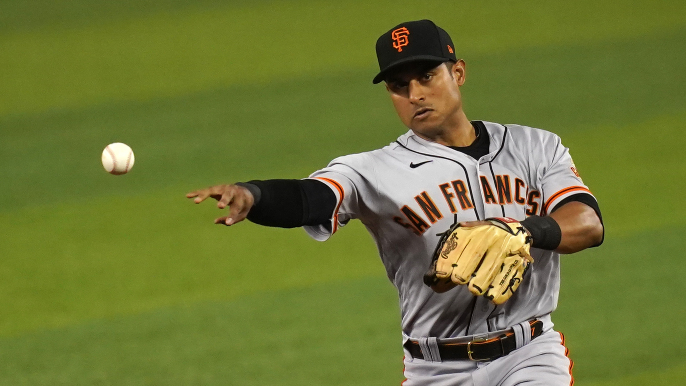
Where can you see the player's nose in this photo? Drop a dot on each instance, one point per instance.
(415, 91)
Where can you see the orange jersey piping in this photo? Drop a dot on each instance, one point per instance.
(571, 363)
(561, 192)
(338, 187)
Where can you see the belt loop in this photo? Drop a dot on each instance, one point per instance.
(526, 332)
(522, 333)
(426, 351)
(433, 347)
(429, 347)
(519, 338)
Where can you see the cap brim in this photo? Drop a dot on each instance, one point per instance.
(428, 58)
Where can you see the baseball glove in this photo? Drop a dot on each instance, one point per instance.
(491, 259)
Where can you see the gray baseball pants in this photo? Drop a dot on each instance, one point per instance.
(543, 361)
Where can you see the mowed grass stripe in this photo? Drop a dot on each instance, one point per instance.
(622, 297)
(348, 333)
(661, 376)
(43, 15)
(636, 179)
(290, 128)
(637, 17)
(344, 333)
(580, 86)
(127, 255)
(189, 50)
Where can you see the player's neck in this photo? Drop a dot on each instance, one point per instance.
(459, 133)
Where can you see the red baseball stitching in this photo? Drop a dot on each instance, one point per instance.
(114, 160)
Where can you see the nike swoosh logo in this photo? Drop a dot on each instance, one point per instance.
(414, 165)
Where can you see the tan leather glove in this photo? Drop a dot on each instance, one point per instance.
(490, 259)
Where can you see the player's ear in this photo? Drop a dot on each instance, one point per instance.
(459, 71)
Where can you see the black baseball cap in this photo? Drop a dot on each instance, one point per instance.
(413, 41)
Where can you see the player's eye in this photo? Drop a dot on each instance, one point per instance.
(427, 76)
(398, 85)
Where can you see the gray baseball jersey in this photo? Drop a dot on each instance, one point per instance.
(411, 190)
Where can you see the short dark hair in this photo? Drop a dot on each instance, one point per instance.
(449, 65)
(426, 65)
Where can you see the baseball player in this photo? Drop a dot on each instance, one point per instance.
(469, 217)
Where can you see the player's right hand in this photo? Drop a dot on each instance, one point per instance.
(238, 198)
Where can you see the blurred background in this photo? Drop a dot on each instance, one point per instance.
(120, 280)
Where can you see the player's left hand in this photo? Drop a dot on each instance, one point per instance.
(237, 198)
(490, 257)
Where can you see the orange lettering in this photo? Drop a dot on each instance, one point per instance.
(426, 203)
(532, 201)
(519, 186)
(448, 196)
(502, 185)
(461, 191)
(419, 224)
(489, 198)
(400, 38)
(400, 221)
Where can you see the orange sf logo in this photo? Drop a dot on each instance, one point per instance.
(400, 38)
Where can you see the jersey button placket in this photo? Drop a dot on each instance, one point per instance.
(480, 197)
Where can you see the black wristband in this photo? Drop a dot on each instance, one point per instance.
(253, 189)
(544, 231)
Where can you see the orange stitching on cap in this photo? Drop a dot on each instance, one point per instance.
(400, 38)
(450, 49)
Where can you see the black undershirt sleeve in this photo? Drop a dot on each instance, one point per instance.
(588, 200)
(290, 203)
(583, 198)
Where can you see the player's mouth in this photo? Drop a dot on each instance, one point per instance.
(422, 113)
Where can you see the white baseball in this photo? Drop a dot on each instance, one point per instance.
(117, 158)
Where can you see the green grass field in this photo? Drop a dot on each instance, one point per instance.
(110, 280)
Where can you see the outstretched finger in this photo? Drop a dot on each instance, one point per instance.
(226, 198)
(225, 220)
(230, 220)
(199, 195)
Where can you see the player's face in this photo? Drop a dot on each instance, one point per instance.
(427, 96)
